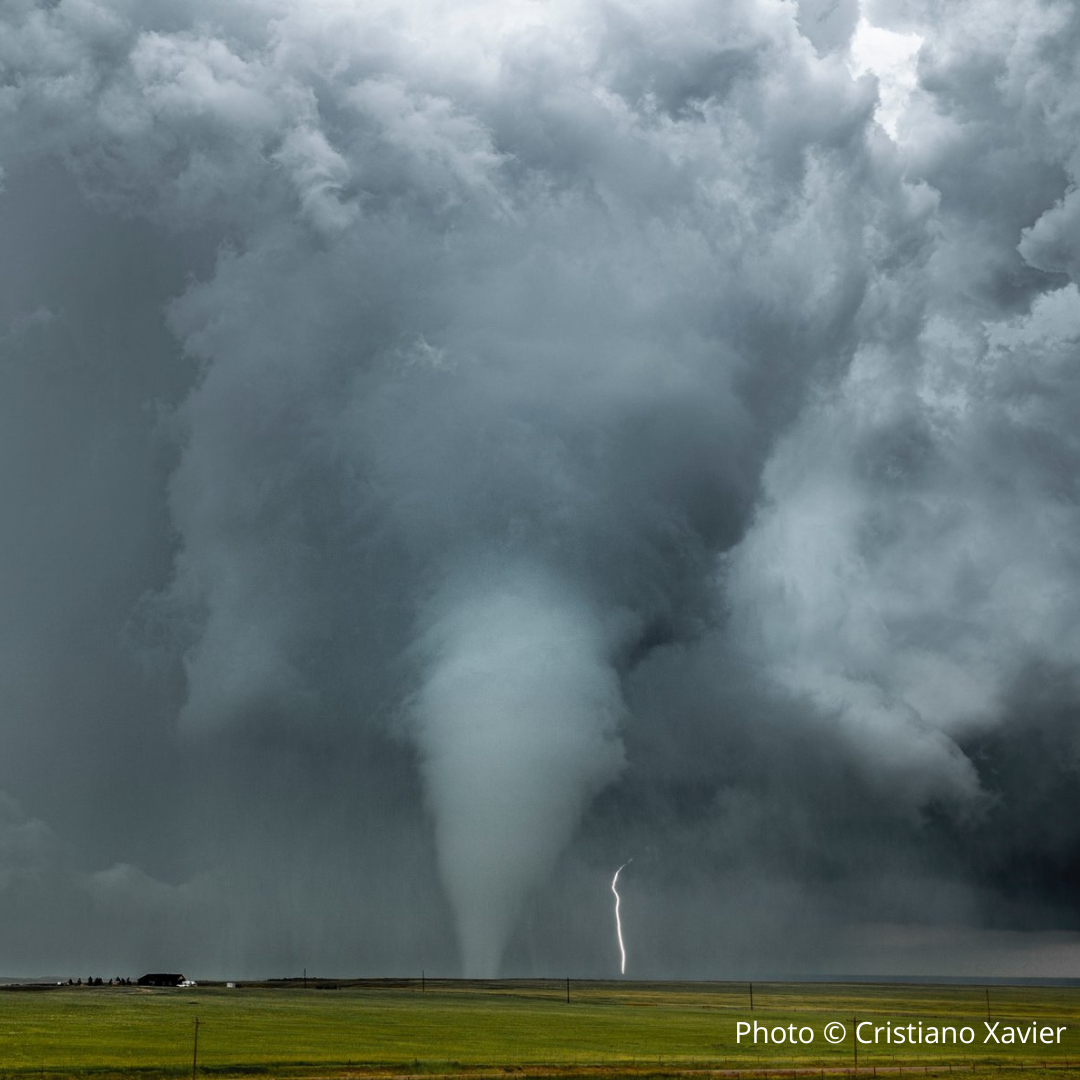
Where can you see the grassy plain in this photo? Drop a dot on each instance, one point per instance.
(608, 1029)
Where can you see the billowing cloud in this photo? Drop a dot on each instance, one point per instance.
(454, 449)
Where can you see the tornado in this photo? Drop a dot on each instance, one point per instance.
(517, 725)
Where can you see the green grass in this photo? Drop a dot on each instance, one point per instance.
(608, 1029)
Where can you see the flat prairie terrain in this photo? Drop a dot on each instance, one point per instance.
(393, 1028)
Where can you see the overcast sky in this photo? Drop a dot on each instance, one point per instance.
(449, 449)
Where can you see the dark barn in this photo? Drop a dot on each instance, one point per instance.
(161, 979)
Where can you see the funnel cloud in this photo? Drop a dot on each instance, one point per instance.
(516, 722)
(445, 448)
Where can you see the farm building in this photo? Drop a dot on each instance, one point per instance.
(161, 979)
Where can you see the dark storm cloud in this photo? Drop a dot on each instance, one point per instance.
(448, 452)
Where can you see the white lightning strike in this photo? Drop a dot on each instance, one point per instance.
(618, 921)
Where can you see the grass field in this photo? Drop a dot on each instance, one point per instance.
(608, 1029)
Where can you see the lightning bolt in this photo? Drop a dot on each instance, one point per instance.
(618, 921)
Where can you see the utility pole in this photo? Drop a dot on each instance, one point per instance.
(751, 997)
(423, 981)
(567, 989)
(988, 1004)
(854, 1040)
(195, 1051)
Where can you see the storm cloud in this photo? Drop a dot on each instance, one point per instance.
(450, 450)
